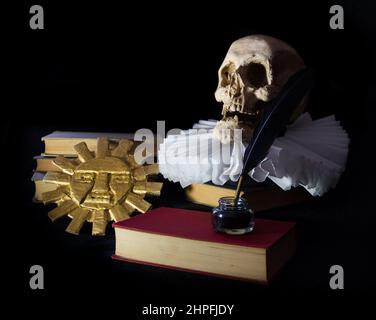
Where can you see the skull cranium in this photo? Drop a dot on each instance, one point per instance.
(254, 71)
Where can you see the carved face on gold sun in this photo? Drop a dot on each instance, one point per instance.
(107, 187)
(100, 183)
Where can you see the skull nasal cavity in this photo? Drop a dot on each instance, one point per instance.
(256, 75)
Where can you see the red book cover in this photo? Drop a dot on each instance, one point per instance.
(197, 225)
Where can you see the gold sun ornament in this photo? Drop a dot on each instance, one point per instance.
(108, 185)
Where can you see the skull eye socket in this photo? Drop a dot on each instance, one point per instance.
(256, 75)
(226, 73)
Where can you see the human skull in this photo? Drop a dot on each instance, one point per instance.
(254, 71)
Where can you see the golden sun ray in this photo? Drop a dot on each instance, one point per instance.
(57, 178)
(55, 195)
(83, 152)
(79, 216)
(123, 149)
(136, 202)
(102, 148)
(103, 186)
(99, 223)
(64, 164)
(62, 210)
(144, 187)
(120, 212)
(141, 173)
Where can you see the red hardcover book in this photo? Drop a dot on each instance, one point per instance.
(185, 240)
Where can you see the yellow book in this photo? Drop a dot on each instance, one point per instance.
(62, 142)
(41, 186)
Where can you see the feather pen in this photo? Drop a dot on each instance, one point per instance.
(273, 121)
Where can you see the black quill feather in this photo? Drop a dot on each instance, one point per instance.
(274, 119)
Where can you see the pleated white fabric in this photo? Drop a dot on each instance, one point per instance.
(312, 154)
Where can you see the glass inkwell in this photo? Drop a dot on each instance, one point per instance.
(232, 216)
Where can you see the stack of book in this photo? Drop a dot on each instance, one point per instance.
(62, 143)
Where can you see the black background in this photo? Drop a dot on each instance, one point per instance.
(112, 68)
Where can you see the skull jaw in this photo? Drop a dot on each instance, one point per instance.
(247, 121)
(241, 113)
